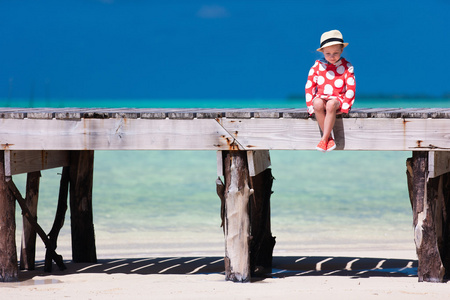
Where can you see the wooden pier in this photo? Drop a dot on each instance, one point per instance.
(41, 138)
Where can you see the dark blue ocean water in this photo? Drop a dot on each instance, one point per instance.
(164, 202)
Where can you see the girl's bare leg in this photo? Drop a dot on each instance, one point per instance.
(331, 108)
(319, 111)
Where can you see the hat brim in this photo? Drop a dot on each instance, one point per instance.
(331, 44)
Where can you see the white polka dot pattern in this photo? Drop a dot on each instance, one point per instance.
(328, 90)
(349, 94)
(330, 75)
(340, 70)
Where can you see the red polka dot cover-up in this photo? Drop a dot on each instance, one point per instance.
(331, 81)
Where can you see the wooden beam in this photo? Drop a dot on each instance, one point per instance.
(354, 133)
(27, 161)
(221, 134)
(8, 254)
(114, 134)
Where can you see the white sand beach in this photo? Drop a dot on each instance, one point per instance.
(351, 274)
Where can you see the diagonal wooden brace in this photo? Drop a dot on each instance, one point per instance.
(26, 212)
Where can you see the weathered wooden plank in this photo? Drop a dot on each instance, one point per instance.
(40, 115)
(125, 115)
(438, 163)
(440, 114)
(68, 115)
(373, 113)
(296, 114)
(220, 134)
(153, 115)
(26, 161)
(239, 114)
(182, 115)
(74, 113)
(267, 114)
(96, 115)
(12, 115)
(114, 134)
(394, 113)
(210, 114)
(359, 134)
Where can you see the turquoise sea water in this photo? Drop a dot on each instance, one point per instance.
(163, 202)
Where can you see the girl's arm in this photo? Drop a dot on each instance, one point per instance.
(349, 96)
(310, 89)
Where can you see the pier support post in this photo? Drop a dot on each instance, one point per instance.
(82, 225)
(59, 216)
(28, 248)
(246, 213)
(8, 254)
(429, 190)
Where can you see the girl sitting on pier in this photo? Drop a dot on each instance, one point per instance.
(330, 88)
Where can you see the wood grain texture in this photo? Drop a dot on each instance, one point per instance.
(8, 253)
(427, 219)
(236, 217)
(220, 129)
(438, 163)
(26, 161)
(28, 248)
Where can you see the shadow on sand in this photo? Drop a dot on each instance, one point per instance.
(282, 266)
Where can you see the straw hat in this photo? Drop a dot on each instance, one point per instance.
(330, 38)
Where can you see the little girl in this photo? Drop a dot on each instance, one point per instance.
(330, 88)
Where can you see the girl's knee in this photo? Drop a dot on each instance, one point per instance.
(318, 104)
(332, 105)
